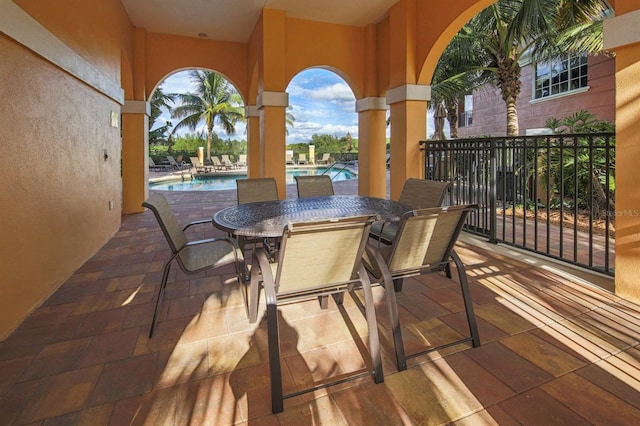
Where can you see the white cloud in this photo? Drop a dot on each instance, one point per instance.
(320, 101)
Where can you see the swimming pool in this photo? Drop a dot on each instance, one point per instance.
(220, 182)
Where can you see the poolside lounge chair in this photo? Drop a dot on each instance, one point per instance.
(335, 249)
(177, 166)
(424, 244)
(326, 157)
(314, 186)
(417, 194)
(242, 161)
(288, 160)
(217, 164)
(195, 162)
(192, 256)
(158, 167)
(302, 158)
(226, 161)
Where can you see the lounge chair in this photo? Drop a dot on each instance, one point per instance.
(289, 159)
(335, 249)
(417, 194)
(242, 161)
(326, 157)
(226, 161)
(192, 256)
(424, 244)
(314, 186)
(195, 162)
(302, 158)
(217, 164)
(158, 167)
(177, 166)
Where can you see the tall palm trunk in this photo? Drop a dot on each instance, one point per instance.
(452, 117)
(509, 83)
(209, 137)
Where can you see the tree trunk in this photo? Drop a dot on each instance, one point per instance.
(452, 116)
(508, 77)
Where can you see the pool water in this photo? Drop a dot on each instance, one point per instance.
(220, 182)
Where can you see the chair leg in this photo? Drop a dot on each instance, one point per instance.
(372, 325)
(401, 359)
(397, 285)
(275, 370)
(163, 286)
(466, 296)
(324, 301)
(254, 291)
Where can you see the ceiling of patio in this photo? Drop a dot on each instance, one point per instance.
(234, 20)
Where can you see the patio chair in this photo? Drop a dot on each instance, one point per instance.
(217, 164)
(302, 158)
(177, 166)
(255, 190)
(325, 159)
(158, 167)
(314, 186)
(424, 244)
(334, 249)
(226, 161)
(417, 194)
(195, 162)
(191, 256)
(242, 161)
(288, 160)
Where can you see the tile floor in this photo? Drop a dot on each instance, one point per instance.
(554, 349)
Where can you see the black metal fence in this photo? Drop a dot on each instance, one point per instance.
(553, 194)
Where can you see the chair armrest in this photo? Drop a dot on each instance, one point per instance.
(198, 222)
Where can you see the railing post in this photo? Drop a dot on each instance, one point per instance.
(493, 181)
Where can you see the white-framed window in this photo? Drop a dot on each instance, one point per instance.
(562, 75)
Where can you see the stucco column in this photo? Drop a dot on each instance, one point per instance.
(372, 141)
(408, 127)
(622, 34)
(135, 158)
(272, 107)
(255, 158)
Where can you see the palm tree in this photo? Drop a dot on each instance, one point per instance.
(160, 101)
(495, 40)
(215, 100)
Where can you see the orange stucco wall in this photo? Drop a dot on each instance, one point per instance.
(98, 29)
(627, 262)
(55, 194)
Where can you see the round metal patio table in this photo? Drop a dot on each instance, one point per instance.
(269, 218)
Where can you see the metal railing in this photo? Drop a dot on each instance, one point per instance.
(554, 194)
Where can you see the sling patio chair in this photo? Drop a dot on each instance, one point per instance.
(242, 161)
(325, 159)
(226, 161)
(424, 244)
(302, 159)
(153, 167)
(191, 256)
(255, 190)
(177, 165)
(217, 164)
(335, 250)
(195, 162)
(314, 186)
(417, 194)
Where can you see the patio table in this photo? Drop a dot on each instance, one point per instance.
(269, 218)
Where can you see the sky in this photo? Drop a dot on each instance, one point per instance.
(320, 100)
